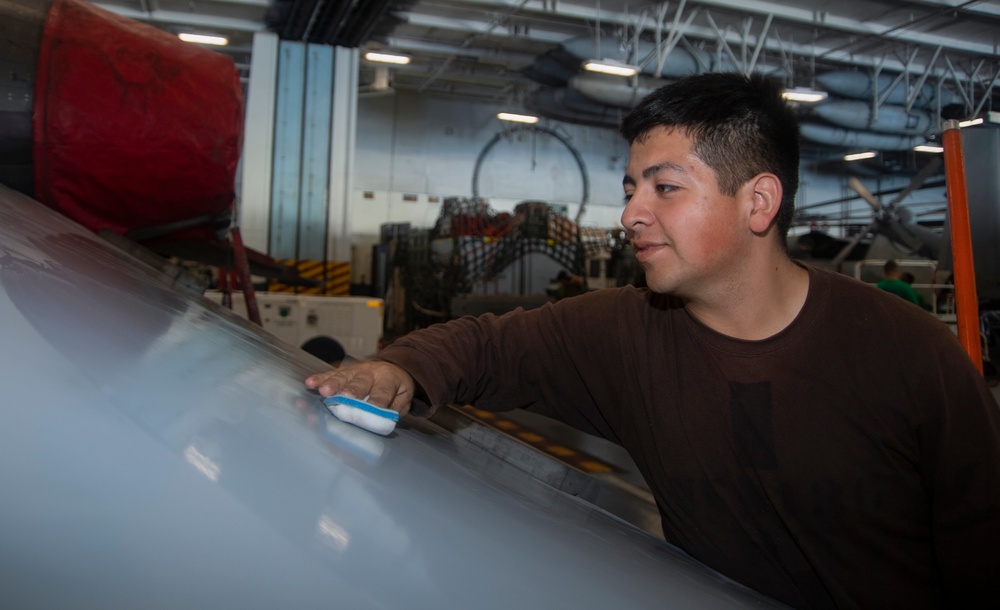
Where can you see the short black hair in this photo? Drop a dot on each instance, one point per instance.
(740, 127)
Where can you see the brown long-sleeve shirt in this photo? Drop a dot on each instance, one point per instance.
(850, 461)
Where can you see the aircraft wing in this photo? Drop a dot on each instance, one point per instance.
(157, 451)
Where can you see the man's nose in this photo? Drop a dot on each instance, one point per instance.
(635, 211)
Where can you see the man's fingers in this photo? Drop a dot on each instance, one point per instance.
(379, 383)
(390, 393)
(314, 381)
(331, 382)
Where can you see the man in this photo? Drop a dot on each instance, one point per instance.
(567, 285)
(894, 283)
(909, 279)
(803, 433)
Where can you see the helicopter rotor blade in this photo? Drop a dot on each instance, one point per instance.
(925, 172)
(846, 250)
(862, 190)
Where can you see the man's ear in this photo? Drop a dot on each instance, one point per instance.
(765, 193)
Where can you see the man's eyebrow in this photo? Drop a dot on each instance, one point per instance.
(652, 171)
(655, 169)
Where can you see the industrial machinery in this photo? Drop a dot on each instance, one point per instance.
(104, 113)
(351, 326)
(477, 260)
(101, 115)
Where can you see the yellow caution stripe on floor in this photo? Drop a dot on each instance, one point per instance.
(334, 277)
(576, 459)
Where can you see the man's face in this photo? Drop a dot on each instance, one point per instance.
(687, 235)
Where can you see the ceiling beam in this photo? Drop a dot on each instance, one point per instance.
(782, 13)
(484, 55)
(182, 18)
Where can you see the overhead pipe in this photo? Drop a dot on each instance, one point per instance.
(966, 299)
(366, 22)
(330, 22)
(354, 22)
(299, 17)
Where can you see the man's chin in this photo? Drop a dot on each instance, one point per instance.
(661, 285)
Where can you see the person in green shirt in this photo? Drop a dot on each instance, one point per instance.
(907, 277)
(894, 284)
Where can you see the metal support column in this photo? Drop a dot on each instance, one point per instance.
(254, 198)
(343, 133)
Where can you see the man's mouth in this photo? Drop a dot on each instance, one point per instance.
(644, 249)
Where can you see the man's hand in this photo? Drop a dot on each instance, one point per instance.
(380, 383)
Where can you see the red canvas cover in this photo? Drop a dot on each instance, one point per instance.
(132, 128)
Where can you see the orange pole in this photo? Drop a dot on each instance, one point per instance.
(966, 300)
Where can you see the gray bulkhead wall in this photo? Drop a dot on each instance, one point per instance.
(428, 145)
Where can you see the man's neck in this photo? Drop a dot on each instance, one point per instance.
(755, 306)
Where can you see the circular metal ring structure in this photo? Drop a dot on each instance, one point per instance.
(534, 129)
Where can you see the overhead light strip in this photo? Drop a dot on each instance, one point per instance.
(870, 154)
(804, 95)
(610, 66)
(218, 41)
(387, 58)
(517, 118)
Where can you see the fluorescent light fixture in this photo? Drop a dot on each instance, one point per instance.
(218, 41)
(517, 118)
(929, 148)
(387, 58)
(610, 66)
(804, 95)
(861, 155)
(972, 122)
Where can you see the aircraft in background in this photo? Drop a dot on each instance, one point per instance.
(897, 230)
(889, 220)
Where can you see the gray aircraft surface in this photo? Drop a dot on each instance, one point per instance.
(157, 451)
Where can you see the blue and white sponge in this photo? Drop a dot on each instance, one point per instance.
(362, 414)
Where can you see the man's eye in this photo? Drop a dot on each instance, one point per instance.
(665, 188)
(627, 197)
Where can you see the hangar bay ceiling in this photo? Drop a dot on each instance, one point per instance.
(928, 57)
